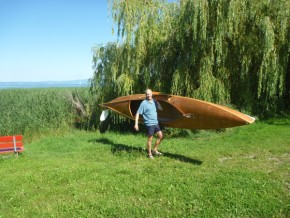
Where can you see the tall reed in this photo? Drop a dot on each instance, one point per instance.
(29, 110)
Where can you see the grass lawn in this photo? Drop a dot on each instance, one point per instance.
(241, 172)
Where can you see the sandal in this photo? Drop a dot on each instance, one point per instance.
(150, 156)
(157, 153)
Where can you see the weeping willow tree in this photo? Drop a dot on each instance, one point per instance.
(223, 51)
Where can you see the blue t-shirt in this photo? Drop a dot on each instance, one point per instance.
(148, 111)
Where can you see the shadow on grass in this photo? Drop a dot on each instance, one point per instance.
(121, 147)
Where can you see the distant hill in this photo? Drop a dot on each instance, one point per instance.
(45, 84)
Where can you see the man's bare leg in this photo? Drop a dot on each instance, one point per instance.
(158, 141)
(149, 142)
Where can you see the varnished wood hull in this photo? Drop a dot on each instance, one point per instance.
(182, 112)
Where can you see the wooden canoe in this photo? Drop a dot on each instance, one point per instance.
(182, 112)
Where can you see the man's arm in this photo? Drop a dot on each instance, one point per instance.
(136, 122)
(159, 107)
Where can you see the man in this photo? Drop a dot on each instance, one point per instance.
(148, 110)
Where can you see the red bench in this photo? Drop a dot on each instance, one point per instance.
(10, 144)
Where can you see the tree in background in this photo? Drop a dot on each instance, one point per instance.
(223, 51)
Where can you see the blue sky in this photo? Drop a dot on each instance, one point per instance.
(45, 40)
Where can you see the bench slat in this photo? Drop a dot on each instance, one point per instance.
(10, 138)
(6, 150)
(11, 145)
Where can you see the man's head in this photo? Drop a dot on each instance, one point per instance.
(148, 93)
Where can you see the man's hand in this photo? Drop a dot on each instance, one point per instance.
(136, 122)
(136, 127)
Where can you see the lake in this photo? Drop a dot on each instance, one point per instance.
(45, 84)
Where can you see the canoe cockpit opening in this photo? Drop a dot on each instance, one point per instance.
(134, 105)
(168, 113)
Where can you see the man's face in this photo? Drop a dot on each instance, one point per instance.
(149, 95)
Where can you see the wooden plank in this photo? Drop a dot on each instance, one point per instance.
(11, 145)
(10, 138)
(9, 150)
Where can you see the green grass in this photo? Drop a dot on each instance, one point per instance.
(242, 172)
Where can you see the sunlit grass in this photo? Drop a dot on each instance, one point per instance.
(242, 172)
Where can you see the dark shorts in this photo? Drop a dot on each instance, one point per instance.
(151, 130)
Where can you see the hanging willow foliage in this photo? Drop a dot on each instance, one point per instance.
(223, 51)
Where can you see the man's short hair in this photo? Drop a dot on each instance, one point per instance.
(148, 90)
